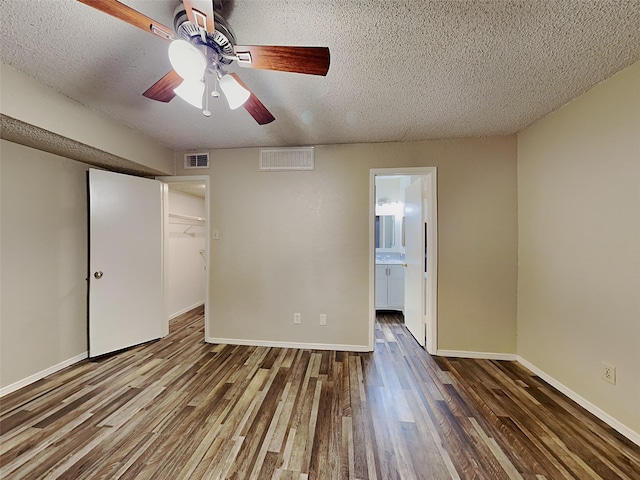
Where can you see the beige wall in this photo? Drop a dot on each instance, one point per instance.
(43, 223)
(298, 242)
(579, 245)
(23, 98)
(43, 248)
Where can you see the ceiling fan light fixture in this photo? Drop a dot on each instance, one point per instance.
(236, 94)
(191, 91)
(188, 62)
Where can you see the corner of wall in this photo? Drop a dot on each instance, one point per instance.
(22, 98)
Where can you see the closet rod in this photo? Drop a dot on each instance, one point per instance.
(187, 217)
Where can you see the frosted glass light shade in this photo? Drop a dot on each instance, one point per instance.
(191, 91)
(236, 94)
(188, 62)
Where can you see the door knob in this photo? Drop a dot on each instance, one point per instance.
(98, 275)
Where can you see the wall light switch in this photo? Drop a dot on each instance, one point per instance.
(216, 234)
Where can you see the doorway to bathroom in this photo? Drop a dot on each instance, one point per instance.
(403, 249)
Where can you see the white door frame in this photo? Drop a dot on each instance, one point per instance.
(207, 240)
(430, 186)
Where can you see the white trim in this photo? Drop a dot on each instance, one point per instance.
(40, 375)
(372, 258)
(185, 310)
(583, 402)
(481, 355)
(165, 249)
(432, 263)
(303, 346)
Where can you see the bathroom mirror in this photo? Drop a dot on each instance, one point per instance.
(385, 231)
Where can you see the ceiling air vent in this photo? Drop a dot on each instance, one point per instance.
(280, 159)
(196, 160)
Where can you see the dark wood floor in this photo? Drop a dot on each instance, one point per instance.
(181, 408)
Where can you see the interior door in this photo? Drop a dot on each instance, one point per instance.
(125, 262)
(414, 258)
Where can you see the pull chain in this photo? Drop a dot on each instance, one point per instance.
(206, 112)
(215, 93)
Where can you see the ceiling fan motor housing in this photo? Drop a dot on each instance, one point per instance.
(221, 41)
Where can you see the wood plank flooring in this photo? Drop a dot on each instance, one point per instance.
(179, 408)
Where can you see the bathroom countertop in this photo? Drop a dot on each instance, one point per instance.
(391, 258)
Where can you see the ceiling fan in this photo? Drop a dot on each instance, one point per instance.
(202, 45)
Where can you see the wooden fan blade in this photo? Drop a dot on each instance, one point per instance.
(254, 106)
(200, 12)
(310, 60)
(162, 90)
(131, 16)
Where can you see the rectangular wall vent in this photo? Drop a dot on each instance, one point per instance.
(280, 159)
(196, 160)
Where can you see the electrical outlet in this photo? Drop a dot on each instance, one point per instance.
(323, 319)
(297, 318)
(609, 373)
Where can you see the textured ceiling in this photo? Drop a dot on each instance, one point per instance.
(400, 70)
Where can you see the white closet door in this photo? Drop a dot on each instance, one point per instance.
(125, 262)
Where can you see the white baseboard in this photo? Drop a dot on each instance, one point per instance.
(37, 376)
(483, 355)
(303, 346)
(584, 403)
(185, 310)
